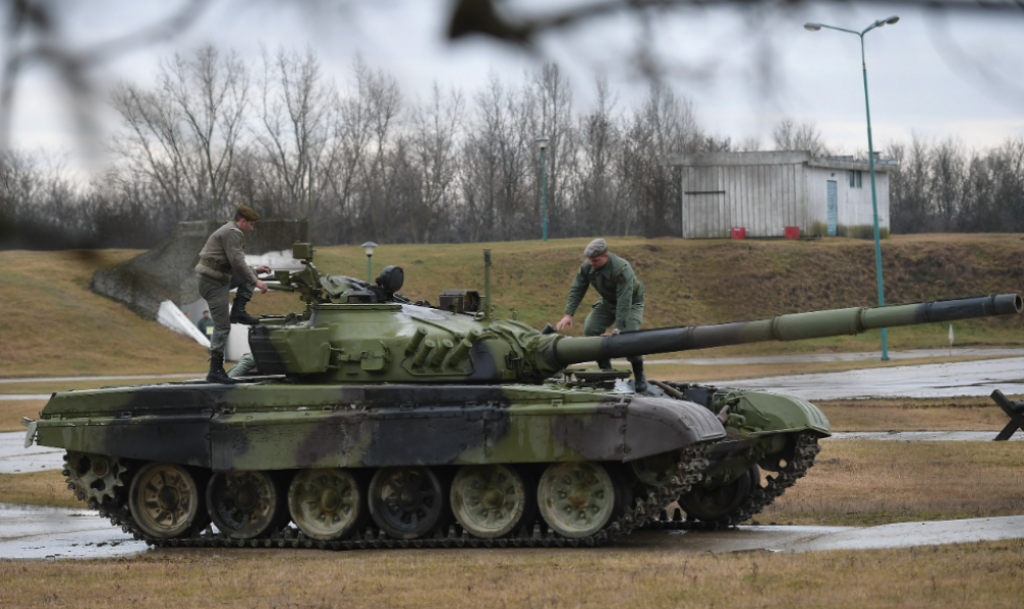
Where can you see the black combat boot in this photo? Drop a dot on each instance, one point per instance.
(217, 374)
(604, 364)
(639, 380)
(238, 314)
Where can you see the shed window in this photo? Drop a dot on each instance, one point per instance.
(855, 179)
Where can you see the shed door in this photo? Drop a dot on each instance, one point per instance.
(833, 209)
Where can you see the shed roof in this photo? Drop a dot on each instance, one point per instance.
(775, 157)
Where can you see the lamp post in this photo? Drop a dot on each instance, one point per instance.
(542, 142)
(368, 248)
(814, 27)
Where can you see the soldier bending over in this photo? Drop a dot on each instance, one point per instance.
(222, 268)
(621, 304)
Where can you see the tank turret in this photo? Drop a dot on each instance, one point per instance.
(352, 332)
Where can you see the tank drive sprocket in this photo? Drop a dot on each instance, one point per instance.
(96, 478)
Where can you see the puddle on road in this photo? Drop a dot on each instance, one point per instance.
(49, 533)
(45, 533)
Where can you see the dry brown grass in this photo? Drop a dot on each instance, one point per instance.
(988, 575)
(37, 488)
(53, 324)
(945, 414)
(863, 482)
(12, 411)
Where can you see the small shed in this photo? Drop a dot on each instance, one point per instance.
(763, 193)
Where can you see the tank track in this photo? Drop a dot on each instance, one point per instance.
(805, 450)
(536, 536)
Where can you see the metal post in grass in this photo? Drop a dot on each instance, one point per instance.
(368, 248)
(814, 27)
(542, 142)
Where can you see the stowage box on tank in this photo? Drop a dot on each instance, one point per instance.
(378, 422)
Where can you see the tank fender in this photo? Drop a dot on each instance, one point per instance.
(764, 412)
(658, 425)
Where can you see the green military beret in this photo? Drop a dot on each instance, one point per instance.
(597, 247)
(248, 213)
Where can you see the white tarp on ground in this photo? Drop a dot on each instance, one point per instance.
(171, 316)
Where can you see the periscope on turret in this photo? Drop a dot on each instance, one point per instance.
(382, 422)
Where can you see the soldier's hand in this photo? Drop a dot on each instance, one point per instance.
(264, 269)
(262, 287)
(565, 321)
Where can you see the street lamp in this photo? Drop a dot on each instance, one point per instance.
(814, 27)
(368, 248)
(542, 142)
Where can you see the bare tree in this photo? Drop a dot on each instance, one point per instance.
(185, 134)
(599, 207)
(662, 125)
(435, 129)
(790, 135)
(294, 123)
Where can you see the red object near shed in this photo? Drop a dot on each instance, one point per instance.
(792, 232)
(739, 233)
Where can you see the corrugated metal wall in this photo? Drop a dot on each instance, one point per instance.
(764, 199)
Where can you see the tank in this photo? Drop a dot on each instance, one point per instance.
(374, 421)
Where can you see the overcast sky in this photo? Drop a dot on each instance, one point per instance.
(957, 75)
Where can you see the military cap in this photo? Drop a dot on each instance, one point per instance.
(597, 247)
(248, 213)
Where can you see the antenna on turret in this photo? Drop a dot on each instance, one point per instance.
(487, 284)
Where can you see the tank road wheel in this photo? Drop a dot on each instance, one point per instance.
(716, 502)
(576, 499)
(244, 505)
(326, 504)
(406, 502)
(164, 500)
(489, 501)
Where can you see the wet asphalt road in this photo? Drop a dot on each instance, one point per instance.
(35, 533)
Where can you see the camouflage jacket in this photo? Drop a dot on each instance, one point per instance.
(224, 250)
(615, 282)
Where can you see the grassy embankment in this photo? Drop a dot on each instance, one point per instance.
(54, 326)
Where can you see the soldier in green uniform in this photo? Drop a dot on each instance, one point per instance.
(205, 325)
(221, 269)
(621, 304)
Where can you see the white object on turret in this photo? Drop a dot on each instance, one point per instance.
(170, 315)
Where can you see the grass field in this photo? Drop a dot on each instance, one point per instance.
(985, 575)
(854, 483)
(53, 325)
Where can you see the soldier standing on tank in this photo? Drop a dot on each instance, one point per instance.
(621, 304)
(222, 268)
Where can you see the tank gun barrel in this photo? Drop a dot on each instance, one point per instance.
(795, 326)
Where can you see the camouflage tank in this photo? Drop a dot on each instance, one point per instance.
(380, 422)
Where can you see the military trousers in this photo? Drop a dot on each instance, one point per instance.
(217, 297)
(602, 317)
